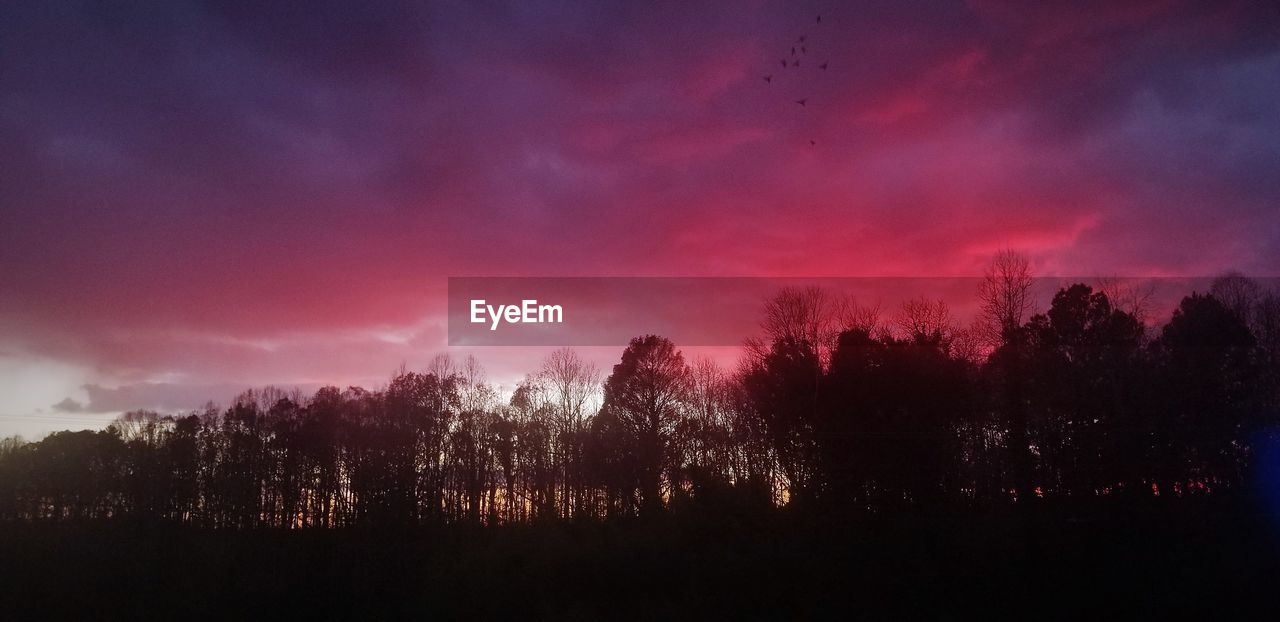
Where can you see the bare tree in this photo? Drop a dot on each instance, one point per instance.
(573, 383)
(138, 425)
(1129, 295)
(1238, 293)
(711, 417)
(804, 315)
(1005, 299)
(476, 393)
(1005, 295)
(442, 366)
(850, 315)
(969, 344)
(708, 380)
(11, 444)
(926, 321)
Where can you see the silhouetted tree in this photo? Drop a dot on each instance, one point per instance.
(1083, 393)
(647, 394)
(1005, 298)
(1209, 394)
(828, 411)
(888, 432)
(783, 386)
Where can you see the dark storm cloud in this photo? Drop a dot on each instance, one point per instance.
(182, 182)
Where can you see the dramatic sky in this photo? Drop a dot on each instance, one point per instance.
(199, 197)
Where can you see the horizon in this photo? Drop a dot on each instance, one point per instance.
(199, 197)
(657, 310)
(1150, 301)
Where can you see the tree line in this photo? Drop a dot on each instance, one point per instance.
(835, 408)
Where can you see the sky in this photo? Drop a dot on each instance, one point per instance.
(200, 197)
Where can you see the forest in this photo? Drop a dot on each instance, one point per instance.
(837, 409)
(838, 414)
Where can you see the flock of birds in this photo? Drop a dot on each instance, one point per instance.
(799, 51)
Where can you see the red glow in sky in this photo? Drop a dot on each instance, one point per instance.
(195, 199)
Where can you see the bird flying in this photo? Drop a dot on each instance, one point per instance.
(823, 66)
(802, 101)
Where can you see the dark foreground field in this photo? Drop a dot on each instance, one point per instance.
(1204, 562)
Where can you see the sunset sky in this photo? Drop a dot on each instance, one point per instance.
(196, 198)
